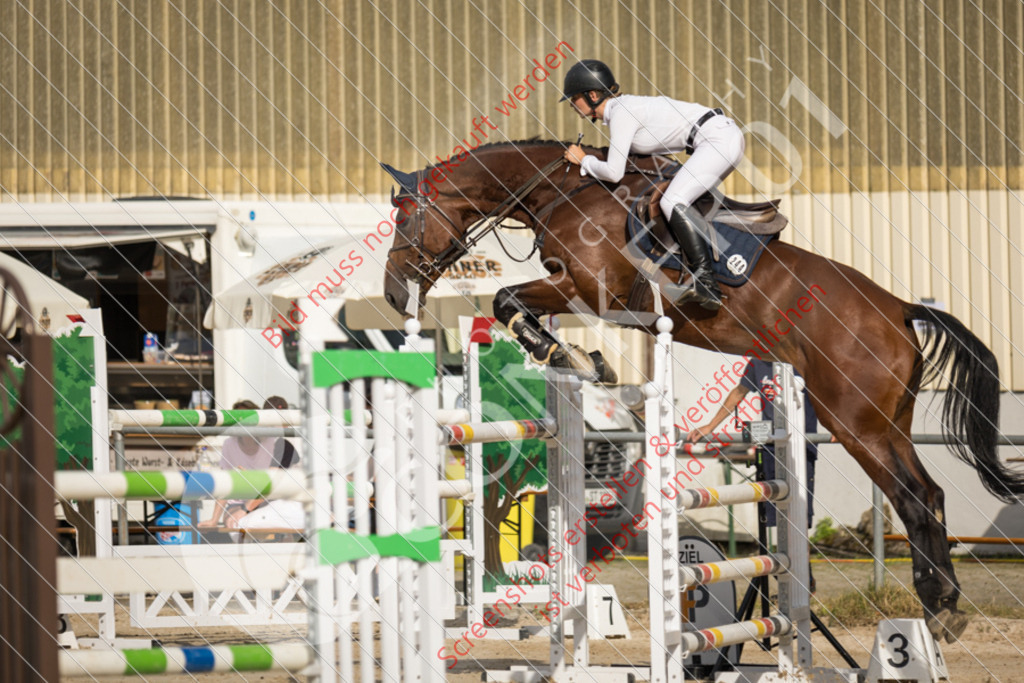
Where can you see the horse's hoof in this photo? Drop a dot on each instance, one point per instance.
(605, 375)
(947, 624)
(956, 626)
(572, 357)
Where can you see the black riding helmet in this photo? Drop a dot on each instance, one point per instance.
(587, 75)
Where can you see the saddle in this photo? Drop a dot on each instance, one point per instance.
(740, 232)
(757, 218)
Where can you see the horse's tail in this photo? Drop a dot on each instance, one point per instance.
(970, 412)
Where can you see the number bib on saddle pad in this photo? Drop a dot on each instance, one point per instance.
(735, 252)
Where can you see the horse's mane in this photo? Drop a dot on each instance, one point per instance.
(507, 143)
(536, 141)
(528, 141)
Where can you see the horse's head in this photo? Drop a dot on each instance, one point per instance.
(429, 226)
(439, 215)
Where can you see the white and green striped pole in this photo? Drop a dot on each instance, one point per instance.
(134, 419)
(291, 657)
(272, 484)
(182, 485)
(206, 418)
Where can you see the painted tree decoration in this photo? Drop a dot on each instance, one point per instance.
(511, 389)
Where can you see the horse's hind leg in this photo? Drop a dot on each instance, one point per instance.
(891, 462)
(934, 575)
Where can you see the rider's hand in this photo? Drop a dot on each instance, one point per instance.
(574, 155)
(698, 433)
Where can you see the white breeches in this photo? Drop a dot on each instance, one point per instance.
(718, 150)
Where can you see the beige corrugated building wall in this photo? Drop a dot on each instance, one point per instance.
(892, 129)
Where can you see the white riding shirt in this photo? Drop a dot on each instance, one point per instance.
(661, 125)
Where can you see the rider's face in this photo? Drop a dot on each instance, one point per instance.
(582, 107)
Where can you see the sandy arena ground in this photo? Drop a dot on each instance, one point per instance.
(992, 648)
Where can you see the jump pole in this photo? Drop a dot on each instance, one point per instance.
(272, 484)
(293, 658)
(136, 420)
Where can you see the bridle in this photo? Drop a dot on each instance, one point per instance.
(430, 265)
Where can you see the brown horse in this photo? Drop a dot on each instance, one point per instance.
(853, 342)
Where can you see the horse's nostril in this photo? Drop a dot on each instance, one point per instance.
(390, 298)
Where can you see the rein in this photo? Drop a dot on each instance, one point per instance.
(440, 261)
(432, 264)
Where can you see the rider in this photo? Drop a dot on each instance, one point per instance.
(660, 125)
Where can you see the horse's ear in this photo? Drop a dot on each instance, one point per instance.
(407, 181)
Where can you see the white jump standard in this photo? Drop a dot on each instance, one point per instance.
(405, 554)
(670, 642)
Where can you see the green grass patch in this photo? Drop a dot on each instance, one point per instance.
(868, 606)
(994, 608)
(894, 601)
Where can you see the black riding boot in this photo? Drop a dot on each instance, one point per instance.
(703, 288)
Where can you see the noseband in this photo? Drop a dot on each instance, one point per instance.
(430, 265)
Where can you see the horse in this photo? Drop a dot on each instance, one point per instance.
(855, 343)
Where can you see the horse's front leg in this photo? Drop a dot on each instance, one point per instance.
(519, 308)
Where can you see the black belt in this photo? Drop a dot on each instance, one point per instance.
(708, 115)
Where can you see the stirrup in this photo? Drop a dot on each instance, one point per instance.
(679, 294)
